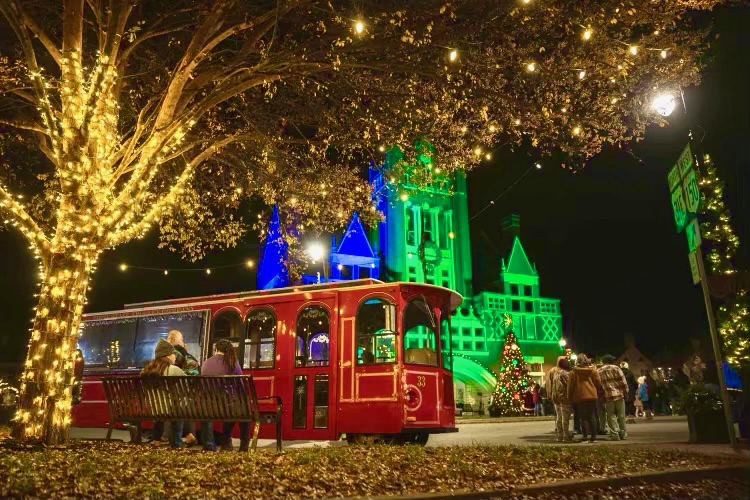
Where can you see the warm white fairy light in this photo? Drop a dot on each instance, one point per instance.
(633, 50)
(531, 67)
(576, 130)
(581, 75)
(663, 54)
(359, 27)
(587, 34)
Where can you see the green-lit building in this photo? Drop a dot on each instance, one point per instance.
(439, 215)
(425, 238)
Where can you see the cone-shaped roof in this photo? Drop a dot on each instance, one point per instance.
(272, 270)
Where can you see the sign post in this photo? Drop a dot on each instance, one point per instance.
(686, 199)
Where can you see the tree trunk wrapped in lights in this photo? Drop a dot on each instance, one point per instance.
(733, 314)
(145, 115)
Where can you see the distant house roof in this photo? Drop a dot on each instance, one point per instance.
(519, 263)
(355, 241)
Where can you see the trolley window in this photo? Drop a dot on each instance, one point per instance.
(375, 328)
(420, 332)
(260, 344)
(313, 337)
(129, 342)
(446, 352)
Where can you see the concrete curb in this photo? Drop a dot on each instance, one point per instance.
(740, 471)
(502, 420)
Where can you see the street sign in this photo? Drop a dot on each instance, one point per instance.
(679, 209)
(694, 270)
(685, 162)
(673, 178)
(691, 192)
(683, 186)
(693, 234)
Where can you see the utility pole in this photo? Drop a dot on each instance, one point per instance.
(716, 346)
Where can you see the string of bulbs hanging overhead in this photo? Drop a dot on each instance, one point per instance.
(248, 264)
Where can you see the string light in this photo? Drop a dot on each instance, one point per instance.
(587, 34)
(581, 75)
(663, 54)
(453, 55)
(359, 27)
(633, 50)
(248, 263)
(488, 156)
(733, 316)
(531, 67)
(576, 130)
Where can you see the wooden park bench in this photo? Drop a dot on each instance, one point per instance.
(230, 398)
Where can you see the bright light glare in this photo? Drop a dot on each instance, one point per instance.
(316, 251)
(664, 104)
(587, 35)
(563, 342)
(453, 55)
(359, 27)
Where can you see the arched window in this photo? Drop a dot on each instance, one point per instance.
(260, 343)
(420, 332)
(376, 332)
(227, 325)
(312, 344)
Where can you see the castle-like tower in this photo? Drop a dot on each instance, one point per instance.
(425, 238)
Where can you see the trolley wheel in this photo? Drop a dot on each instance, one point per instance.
(418, 439)
(369, 439)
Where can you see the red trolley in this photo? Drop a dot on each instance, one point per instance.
(363, 358)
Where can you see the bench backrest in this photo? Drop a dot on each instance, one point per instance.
(229, 398)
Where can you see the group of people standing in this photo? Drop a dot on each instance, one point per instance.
(171, 358)
(579, 392)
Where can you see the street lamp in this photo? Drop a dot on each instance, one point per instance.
(317, 252)
(664, 104)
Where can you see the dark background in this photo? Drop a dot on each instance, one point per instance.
(603, 240)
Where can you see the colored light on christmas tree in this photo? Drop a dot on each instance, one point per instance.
(512, 380)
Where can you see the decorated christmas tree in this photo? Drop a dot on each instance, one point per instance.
(512, 380)
(722, 244)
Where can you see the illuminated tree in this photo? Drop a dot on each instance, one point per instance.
(172, 114)
(733, 315)
(513, 379)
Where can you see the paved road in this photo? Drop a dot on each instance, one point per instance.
(659, 430)
(532, 432)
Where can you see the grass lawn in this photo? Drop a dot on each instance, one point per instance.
(115, 470)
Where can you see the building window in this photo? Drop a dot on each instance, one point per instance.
(346, 272)
(445, 273)
(454, 345)
(479, 346)
(466, 346)
(527, 290)
(466, 332)
(364, 272)
(478, 332)
(514, 290)
(260, 343)
(427, 225)
(411, 230)
(529, 306)
(446, 284)
(515, 305)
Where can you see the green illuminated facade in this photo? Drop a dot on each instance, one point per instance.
(439, 215)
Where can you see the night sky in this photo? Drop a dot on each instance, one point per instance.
(603, 240)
